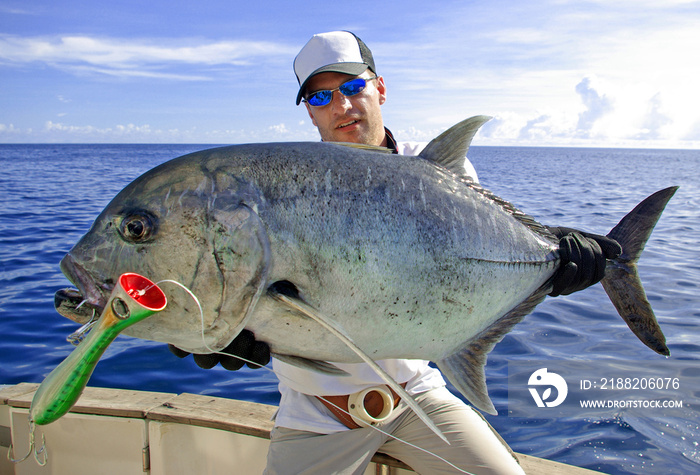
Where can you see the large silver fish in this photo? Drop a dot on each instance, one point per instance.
(308, 244)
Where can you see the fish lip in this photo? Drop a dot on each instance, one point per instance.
(70, 303)
(91, 294)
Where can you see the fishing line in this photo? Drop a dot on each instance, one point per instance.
(201, 314)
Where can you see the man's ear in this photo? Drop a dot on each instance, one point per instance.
(381, 88)
(308, 109)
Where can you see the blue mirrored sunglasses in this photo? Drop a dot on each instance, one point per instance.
(350, 88)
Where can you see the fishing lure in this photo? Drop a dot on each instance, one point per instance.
(133, 299)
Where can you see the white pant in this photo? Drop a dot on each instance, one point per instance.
(474, 446)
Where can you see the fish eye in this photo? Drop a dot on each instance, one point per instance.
(137, 227)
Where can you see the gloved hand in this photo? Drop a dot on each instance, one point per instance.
(583, 258)
(243, 345)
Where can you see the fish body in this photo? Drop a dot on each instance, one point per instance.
(403, 255)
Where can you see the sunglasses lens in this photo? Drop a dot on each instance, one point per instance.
(320, 98)
(353, 87)
(350, 88)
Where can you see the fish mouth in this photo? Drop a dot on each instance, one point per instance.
(80, 304)
(70, 303)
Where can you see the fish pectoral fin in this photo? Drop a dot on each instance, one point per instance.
(242, 252)
(323, 367)
(465, 368)
(299, 305)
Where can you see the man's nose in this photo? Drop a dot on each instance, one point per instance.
(340, 101)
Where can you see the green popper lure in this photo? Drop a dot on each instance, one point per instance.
(133, 299)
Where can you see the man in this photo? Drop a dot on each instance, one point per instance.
(343, 96)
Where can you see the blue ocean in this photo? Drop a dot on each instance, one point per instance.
(50, 194)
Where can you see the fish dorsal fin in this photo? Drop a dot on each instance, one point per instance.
(449, 149)
(465, 368)
(301, 306)
(361, 146)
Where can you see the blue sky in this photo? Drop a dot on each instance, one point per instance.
(551, 72)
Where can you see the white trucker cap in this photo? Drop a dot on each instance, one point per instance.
(336, 51)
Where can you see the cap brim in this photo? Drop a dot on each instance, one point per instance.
(354, 69)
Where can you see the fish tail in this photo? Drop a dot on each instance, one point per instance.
(622, 282)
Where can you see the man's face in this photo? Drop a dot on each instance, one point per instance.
(356, 119)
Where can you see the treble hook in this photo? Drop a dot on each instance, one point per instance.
(38, 452)
(77, 336)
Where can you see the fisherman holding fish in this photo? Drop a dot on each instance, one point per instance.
(388, 262)
(336, 432)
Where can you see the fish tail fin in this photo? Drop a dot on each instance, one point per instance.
(622, 282)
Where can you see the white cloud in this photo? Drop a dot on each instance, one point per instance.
(9, 129)
(15, 11)
(693, 132)
(130, 57)
(279, 129)
(551, 72)
(611, 72)
(597, 105)
(59, 132)
(125, 52)
(89, 130)
(129, 72)
(655, 120)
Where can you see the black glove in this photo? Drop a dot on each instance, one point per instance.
(244, 345)
(583, 257)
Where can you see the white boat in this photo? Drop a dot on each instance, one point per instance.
(124, 432)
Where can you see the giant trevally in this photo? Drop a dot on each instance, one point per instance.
(309, 243)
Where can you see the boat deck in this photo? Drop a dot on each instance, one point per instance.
(121, 432)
